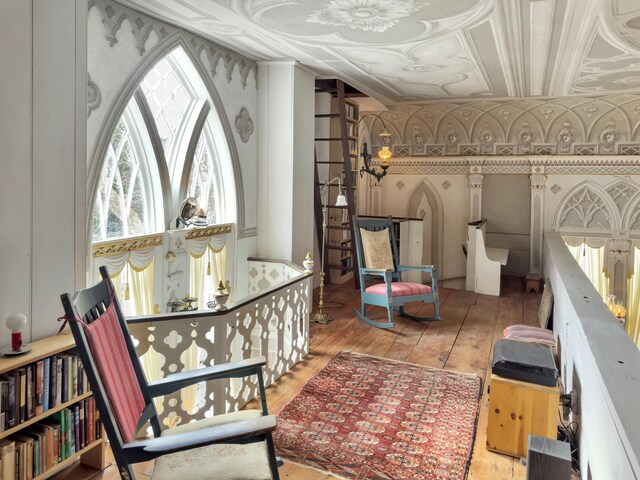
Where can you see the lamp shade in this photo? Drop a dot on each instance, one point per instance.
(16, 322)
(384, 155)
(341, 200)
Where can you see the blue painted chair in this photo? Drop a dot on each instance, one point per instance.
(378, 259)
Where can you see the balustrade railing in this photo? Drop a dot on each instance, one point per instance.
(273, 322)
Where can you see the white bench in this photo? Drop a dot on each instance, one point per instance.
(483, 263)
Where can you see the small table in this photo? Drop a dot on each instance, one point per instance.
(517, 409)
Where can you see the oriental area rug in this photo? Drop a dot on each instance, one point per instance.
(369, 418)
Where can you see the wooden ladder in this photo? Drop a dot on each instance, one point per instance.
(336, 155)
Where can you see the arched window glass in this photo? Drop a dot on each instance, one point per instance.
(121, 208)
(202, 179)
(169, 98)
(169, 143)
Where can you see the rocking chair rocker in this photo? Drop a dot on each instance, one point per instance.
(378, 259)
(233, 446)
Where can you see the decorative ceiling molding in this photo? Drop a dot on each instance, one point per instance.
(418, 51)
(524, 165)
(114, 14)
(567, 126)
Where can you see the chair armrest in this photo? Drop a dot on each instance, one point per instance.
(424, 268)
(177, 381)
(144, 450)
(375, 271)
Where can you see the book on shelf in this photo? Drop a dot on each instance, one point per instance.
(58, 386)
(46, 372)
(22, 394)
(8, 458)
(12, 404)
(39, 408)
(30, 411)
(4, 393)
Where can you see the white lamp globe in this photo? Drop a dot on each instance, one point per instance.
(16, 322)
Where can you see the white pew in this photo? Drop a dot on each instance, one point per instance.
(483, 263)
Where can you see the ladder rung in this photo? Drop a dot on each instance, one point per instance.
(332, 163)
(329, 139)
(339, 247)
(342, 267)
(328, 115)
(337, 227)
(335, 206)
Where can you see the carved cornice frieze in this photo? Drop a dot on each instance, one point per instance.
(114, 14)
(506, 128)
(128, 245)
(558, 165)
(208, 231)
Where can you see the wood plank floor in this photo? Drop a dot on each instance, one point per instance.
(461, 341)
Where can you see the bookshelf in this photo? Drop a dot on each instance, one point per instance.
(64, 431)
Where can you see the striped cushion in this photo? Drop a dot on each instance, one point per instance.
(399, 289)
(113, 362)
(526, 333)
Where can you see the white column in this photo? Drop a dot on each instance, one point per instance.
(618, 264)
(475, 196)
(43, 152)
(286, 107)
(536, 236)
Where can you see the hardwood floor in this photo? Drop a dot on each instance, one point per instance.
(461, 341)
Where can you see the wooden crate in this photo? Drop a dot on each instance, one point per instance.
(517, 409)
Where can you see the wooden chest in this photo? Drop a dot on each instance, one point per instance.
(517, 409)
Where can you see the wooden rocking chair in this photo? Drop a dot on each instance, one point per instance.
(234, 446)
(378, 259)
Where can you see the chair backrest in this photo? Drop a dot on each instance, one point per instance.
(109, 360)
(374, 246)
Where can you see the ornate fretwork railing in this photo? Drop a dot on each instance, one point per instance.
(273, 323)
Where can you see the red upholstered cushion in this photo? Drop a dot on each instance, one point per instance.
(116, 371)
(399, 289)
(526, 333)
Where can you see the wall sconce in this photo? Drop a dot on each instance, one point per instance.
(384, 154)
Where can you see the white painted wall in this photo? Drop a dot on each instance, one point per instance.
(286, 109)
(601, 363)
(43, 53)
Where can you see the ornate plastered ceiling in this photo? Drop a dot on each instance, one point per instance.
(422, 50)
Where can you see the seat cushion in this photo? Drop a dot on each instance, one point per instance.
(215, 462)
(526, 333)
(399, 289)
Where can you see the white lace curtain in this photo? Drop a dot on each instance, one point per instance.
(590, 255)
(633, 297)
(138, 279)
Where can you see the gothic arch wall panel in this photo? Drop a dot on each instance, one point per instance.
(425, 203)
(562, 126)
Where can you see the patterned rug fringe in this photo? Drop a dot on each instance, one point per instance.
(323, 472)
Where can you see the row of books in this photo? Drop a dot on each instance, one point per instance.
(352, 111)
(36, 387)
(43, 445)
